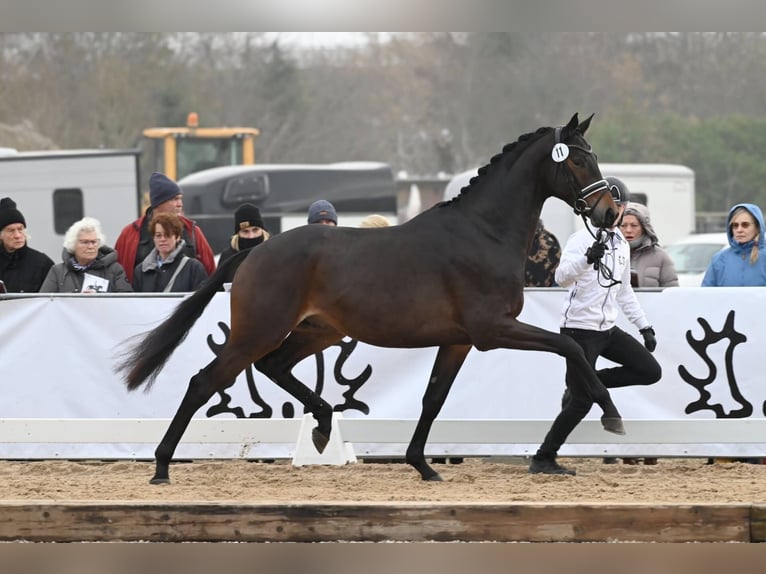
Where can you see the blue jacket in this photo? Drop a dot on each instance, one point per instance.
(731, 267)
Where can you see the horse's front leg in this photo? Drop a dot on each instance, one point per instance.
(448, 362)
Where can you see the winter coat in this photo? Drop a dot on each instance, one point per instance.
(151, 277)
(651, 264)
(543, 258)
(591, 305)
(67, 277)
(732, 267)
(24, 270)
(135, 243)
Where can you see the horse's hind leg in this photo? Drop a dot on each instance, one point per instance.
(448, 362)
(218, 374)
(308, 338)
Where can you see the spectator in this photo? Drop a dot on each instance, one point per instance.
(322, 212)
(22, 268)
(740, 264)
(597, 275)
(88, 264)
(650, 264)
(543, 259)
(135, 241)
(374, 220)
(167, 268)
(248, 231)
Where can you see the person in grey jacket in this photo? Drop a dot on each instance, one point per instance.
(650, 264)
(166, 268)
(88, 265)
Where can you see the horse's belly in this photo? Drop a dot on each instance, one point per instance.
(411, 335)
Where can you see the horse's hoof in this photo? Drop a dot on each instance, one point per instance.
(157, 480)
(613, 424)
(435, 477)
(320, 440)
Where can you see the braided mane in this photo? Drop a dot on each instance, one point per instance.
(510, 153)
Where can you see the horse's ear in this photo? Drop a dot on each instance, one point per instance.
(572, 125)
(583, 127)
(568, 129)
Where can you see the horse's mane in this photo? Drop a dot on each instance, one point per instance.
(510, 153)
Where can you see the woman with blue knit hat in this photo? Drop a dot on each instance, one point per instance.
(135, 241)
(323, 212)
(22, 269)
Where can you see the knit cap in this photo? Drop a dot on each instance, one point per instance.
(162, 189)
(9, 214)
(322, 209)
(247, 215)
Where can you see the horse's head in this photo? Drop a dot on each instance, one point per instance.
(575, 176)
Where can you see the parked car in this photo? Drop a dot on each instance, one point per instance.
(693, 254)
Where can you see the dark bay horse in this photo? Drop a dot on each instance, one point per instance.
(452, 278)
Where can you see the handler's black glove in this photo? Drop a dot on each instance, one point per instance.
(650, 342)
(594, 253)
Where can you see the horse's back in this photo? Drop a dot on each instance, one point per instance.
(385, 286)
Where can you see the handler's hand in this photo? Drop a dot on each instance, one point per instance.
(594, 253)
(650, 342)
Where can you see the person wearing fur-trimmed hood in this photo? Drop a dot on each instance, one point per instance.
(650, 264)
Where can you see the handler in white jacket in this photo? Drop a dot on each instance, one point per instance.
(597, 275)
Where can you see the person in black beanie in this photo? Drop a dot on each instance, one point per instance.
(248, 231)
(22, 269)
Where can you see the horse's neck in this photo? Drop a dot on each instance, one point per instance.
(508, 202)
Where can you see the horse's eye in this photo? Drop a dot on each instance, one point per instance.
(578, 160)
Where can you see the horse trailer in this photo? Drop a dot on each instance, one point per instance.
(53, 189)
(283, 194)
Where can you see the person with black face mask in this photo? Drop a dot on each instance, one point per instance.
(248, 231)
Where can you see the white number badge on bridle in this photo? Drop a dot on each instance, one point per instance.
(560, 152)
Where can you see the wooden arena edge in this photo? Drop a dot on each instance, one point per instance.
(39, 521)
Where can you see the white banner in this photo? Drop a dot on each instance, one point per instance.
(58, 354)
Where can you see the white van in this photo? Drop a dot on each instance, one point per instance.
(692, 255)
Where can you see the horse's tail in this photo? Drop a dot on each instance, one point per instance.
(148, 352)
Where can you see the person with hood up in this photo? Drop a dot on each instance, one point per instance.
(650, 264)
(22, 269)
(740, 264)
(88, 265)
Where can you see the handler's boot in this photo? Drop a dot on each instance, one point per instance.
(540, 465)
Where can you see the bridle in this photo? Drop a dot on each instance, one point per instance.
(581, 207)
(600, 187)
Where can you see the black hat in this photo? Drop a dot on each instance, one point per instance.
(247, 215)
(162, 189)
(9, 214)
(618, 189)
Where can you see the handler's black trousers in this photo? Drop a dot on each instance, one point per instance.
(636, 366)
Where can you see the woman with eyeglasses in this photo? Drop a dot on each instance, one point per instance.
(167, 268)
(741, 264)
(88, 265)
